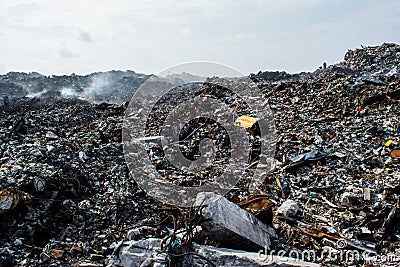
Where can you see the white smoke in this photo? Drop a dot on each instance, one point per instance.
(99, 87)
(68, 92)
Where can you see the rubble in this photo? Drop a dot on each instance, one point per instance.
(67, 198)
(146, 253)
(395, 154)
(289, 208)
(353, 186)
(228, 224)
(260, 206)
(52, 199)
(111, 86)
(8, 200)
(384, 59)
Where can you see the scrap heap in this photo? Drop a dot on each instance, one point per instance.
(337, 155)
(66, 197)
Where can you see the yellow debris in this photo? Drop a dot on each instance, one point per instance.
(245, 121)
(388, 143)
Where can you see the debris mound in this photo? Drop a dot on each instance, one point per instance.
(66, 197)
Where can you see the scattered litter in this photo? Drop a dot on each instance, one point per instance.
(66, 198)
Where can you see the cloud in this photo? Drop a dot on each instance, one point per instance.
(3, 68)
(186, 30)
(85, 36)
(65, 53)
(151, 35)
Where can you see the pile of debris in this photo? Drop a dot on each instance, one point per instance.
(331, 199)
(337, 160)
(384, 59)
(63, 178)
(111, 86)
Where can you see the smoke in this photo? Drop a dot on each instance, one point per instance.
(99, 88)
(68, 92)
(111, 87)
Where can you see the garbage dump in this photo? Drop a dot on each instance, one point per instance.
(331, 198)
(98, 87)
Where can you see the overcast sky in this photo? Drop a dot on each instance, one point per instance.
(63, 37)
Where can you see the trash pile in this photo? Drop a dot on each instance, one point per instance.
(276, 76)
(336, 159)
(337, 170)
(384, 59)
(64, 188)
(111, 86)
(331, 199)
